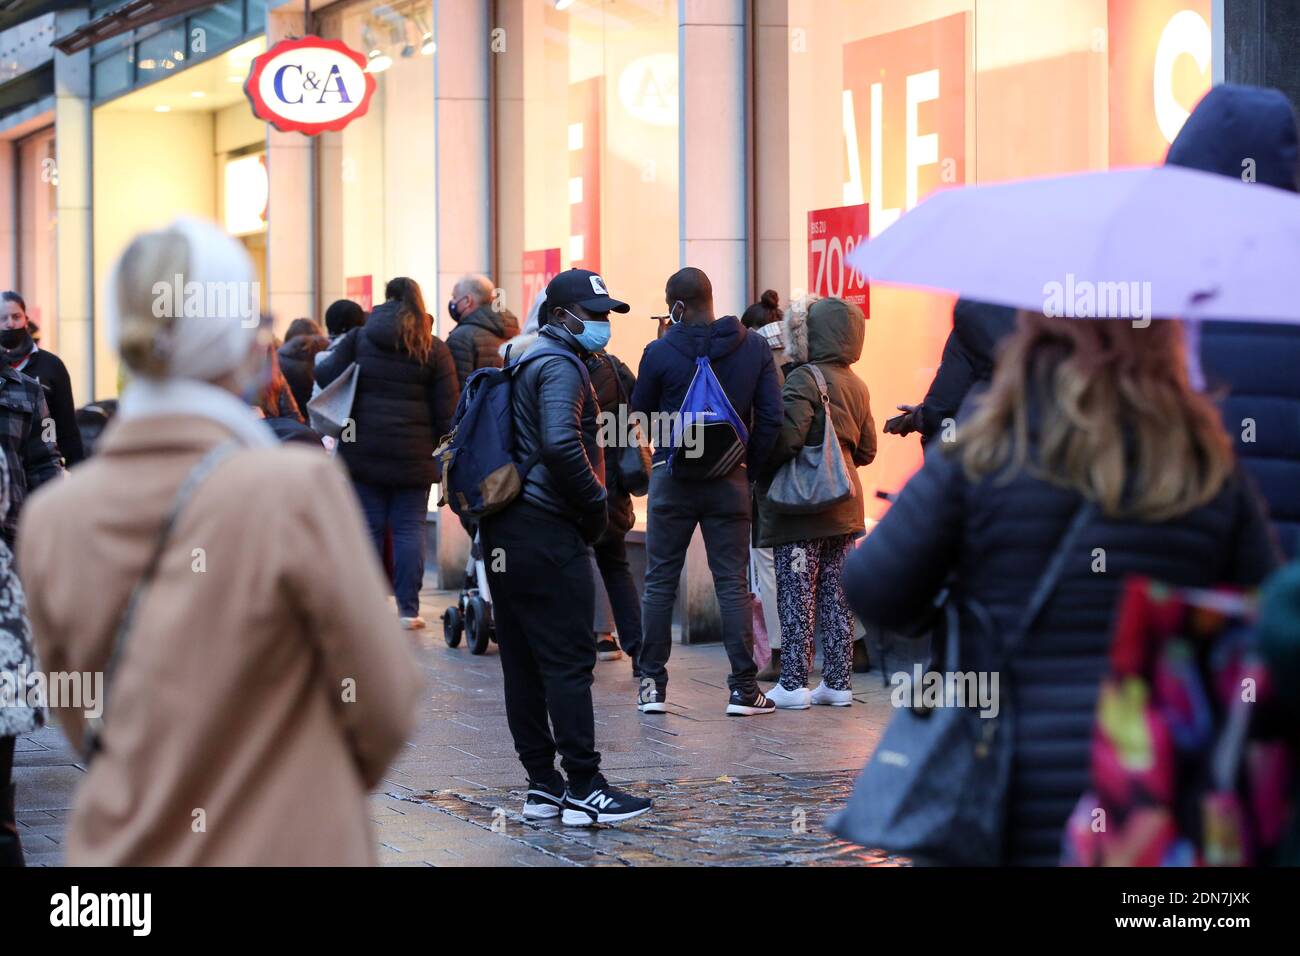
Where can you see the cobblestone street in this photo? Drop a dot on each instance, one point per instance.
(727, 791)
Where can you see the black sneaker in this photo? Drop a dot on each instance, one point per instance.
(651, 699)
(604, 804)
(607, 649)
(544, 801)
(749, 705)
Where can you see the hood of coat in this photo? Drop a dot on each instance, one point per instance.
(980, 327)
(381, 327)
(795, 328)
(717, 340)
(517, 346)
(1235, 126)
(502, 324)
(303, 347)
(835, 331)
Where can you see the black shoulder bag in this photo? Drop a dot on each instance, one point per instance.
(936, 785)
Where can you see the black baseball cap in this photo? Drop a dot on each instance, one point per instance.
(584, 288)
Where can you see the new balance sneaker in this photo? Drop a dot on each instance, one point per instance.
(789, 699)
(607, 649)
(651, 699)
(544, 801)
(749, 705)
(604, 804)
(830, 698)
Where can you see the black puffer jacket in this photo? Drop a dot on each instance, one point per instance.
(612, 381)
(477, 338)
(402, 406)
(967, 361)
(998, 537)
(555, 417)
(1253, 367)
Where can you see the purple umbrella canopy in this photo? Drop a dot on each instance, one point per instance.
(1165, 242)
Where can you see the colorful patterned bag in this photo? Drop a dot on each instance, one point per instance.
(1186, 770)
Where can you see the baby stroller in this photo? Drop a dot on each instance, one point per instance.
(471, 615)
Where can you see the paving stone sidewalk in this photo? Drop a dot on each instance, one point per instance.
(728, 791)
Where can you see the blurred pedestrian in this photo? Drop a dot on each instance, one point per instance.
(279, 408)
(766, 318)
(1079, 412)
(810, 547)
(297, 360)
(302, 326)
(967, 362)
(247, 709)
(720, 506)
(21, 353)
(481, 329)
(543, 593)
(405, 399)
(1246, 131)
(20, 713)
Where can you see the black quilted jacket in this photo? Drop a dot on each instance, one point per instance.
(402, 406)
(998, 538)
(555, 416)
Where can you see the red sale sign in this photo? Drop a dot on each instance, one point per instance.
(540, 267)
(832, 235)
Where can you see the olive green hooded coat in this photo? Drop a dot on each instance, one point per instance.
(835, 333)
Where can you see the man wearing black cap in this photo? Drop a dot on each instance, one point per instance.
(538, 569)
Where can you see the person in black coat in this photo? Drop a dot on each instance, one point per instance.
(297, 360)
(968, 355)
(22, 353)
(538, 567)
(405, 399)
(988, 510)
(613, 383)
(1253, 368)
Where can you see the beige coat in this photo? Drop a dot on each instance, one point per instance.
(232, 737)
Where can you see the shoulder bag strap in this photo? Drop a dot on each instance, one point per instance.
(205, 467)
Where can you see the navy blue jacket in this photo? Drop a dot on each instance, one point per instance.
(743, 363)
(1254, 368)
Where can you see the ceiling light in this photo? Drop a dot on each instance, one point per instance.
(162, 108)
(147, 64)
(198, 94)
(378, 61)
(234, 79)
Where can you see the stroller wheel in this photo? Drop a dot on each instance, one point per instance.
(452, 626)
(478, 624)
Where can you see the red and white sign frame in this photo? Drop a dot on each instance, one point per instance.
(264, 110)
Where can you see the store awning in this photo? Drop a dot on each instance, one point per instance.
(14, 12)
(28, 88)
(129, 16)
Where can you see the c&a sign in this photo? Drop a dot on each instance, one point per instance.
(309, 85)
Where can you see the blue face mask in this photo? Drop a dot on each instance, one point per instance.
(594, 335)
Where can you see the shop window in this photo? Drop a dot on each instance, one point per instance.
(112, 75)
(378, 214)
(891, 101)
(161, 54)
(593, 153)
(221, 26)
(38, 181)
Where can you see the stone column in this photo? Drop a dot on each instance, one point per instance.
(82, 350)
(713, 169)
(8, 217)
(462, 30)
(291, 221)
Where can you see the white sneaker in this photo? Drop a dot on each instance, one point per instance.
(830, 698)
(788, 699)
(412, 623)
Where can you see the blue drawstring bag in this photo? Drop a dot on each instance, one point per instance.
(708, 438)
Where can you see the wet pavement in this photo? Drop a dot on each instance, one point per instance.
(727, 791)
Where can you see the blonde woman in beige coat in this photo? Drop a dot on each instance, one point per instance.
(263, 686)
